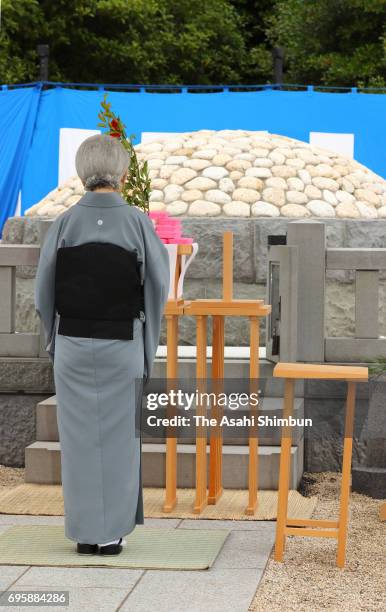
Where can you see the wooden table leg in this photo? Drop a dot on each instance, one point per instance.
(171, 440)
(201, 477)
(346, 474)
(284, 474)
(253, 465)
(215, 463)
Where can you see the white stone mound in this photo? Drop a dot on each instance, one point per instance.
(239, 173)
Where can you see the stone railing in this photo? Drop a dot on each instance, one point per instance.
(15, 343)
(298, 273)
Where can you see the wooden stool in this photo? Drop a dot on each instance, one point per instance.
(382, 512)
(218, 309)
(304, 527)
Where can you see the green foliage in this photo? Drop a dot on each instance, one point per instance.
(136, 190)
(332, 42)
(327, 42)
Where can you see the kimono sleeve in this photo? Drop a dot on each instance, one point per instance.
(44, 293)
(156, 289)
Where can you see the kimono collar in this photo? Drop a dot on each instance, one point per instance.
(105, 199)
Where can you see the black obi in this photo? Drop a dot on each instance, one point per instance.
(98, 290)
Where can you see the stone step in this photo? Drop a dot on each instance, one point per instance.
(42, 463)
(47, 427)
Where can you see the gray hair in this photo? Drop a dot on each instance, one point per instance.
(101, 161)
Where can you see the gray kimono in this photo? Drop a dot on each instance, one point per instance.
(97, 379)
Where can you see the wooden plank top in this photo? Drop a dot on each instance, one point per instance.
(220, 308)
(321, 371)
(175, 307)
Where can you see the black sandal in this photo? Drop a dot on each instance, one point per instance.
(111, 549)
(87, 549)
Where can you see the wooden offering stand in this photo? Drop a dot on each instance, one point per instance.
(173, 310)
(218, 309)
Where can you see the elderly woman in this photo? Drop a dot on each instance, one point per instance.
(101, 287)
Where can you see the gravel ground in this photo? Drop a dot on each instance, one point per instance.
(309, 581)
(11, 476)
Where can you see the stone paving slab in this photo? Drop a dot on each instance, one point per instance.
(81, 598)
(222, 590)
(69, 577)
(229, 586)
(10, 573)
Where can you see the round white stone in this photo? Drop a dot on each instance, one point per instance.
(330, 197)
(276, 182)
(202, 183)
(265, 209)
(325, 183)
(156, 195)
(313, 192)
(366, 210)
(382, 212)
(172, 192)
(238, 164)
(284, 171)
(221, 159)
(182, 175)
(250, 182)
(177, 208)
(215, 172)
(343, 196)
(237, 209)
(192, 194)
(159, 183)
(153, 164)
(246, 195)
(205, 153)
(203, 208)
(305, 176)
(296, 197)
(295, 183)
(262, 172)
(175, 160)
(217, 196)
(277, 158)
(154, 206)
(367, 196)
(166, 171)
(319, 208)
(347, 210)
(274, 196)
(196, 164)
(263, 162)
(294, 210)
(227, 185)
(295, 163)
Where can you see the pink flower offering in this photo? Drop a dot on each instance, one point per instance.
(168, 229)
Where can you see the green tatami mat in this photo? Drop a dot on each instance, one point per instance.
(178, 549)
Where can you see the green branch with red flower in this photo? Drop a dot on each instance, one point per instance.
(136, 190)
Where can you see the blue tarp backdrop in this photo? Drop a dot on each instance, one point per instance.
(30, 120)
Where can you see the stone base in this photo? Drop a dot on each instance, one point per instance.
(43, 465)
(370, 481)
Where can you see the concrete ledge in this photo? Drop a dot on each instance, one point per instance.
(349, 350)
(370, 481)
(19, 344)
